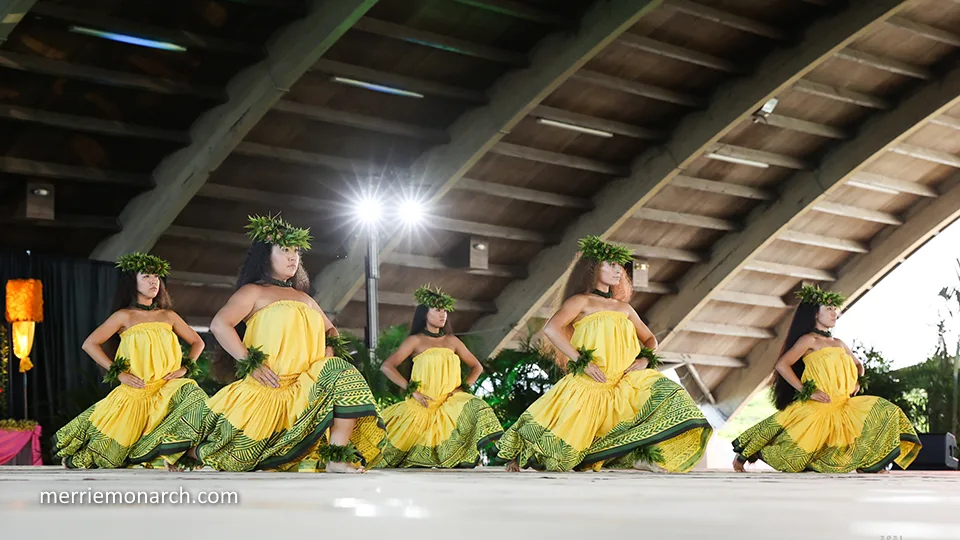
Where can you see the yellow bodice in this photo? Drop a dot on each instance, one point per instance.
(613, 338)
(152, 348)
(833, 371)
(438, 370)
(290, 332)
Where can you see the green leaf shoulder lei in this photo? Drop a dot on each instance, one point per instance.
(119, 365)
(804, 394)
(654, 360)
(254, 359)
(586, 357)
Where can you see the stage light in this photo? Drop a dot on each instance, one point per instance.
(130, 40)
(377, 87)
(574, 127)
(412, 211)
(368, 210)
(738, 161)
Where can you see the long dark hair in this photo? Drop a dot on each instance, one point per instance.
(583, 278)
(255, 269)
(419, 322)
(125, 297)
(804, 322)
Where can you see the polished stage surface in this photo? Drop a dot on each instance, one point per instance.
(488, 503)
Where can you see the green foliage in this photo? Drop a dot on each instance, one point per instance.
(200, 370)
(809, 388)
(332, 453)
(653, 359)
(141, 263)
(274, 230)
(880, 380)
(434, 298)
(515, 378)
(813, 294)
(254, 359)
(592, 247)
(119, 365)
(340, 346)
(580, 364)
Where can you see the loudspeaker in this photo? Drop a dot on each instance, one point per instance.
(937, 453)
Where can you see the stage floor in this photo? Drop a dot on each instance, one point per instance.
(487, 503)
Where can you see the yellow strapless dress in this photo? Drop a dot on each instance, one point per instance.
(581, 423)
(139, 425)
(255, 427)
(850, 433)
(450, 432)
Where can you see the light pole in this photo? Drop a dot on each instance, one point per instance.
(369, 210)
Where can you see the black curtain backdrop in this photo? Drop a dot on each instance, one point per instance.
(77, 294)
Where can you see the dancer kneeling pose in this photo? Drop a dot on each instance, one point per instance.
(155, 415)
(612, 409)
(441, 424)
(292, 390)
(821, 426)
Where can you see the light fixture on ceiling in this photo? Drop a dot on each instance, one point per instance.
(377, 87)
(41, 192)
(480, 246)
(574, 127)
(872, 187)
(738, 161)
(130, 40)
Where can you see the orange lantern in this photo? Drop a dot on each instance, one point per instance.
(24, 310)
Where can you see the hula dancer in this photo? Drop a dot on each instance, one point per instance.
(613, 409)
(154, 416)
(822, 424)
(440, 424)
(296, 405)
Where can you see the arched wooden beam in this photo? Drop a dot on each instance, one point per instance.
(513, 97)
(854, 278)
(252, 93)
(655, 168)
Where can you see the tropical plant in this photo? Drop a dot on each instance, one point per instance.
(515, 378)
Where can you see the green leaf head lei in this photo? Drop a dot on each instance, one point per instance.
(275, 231)
(142, 263)
(812, 294)
(595, 249)
(435, 298)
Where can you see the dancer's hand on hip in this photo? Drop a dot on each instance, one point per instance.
(820, 396)
(595, 373)
(266, 376)
(637, 365)
(175, 374)
(131, 380)
(422, 399)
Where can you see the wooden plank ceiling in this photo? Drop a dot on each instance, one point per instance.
(729, 206)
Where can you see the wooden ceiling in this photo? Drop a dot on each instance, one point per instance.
(731, 207)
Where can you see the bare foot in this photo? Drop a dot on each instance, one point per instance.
(173, 467)
(343, 468)
(513, 466)
(738, 465)
(63, 462)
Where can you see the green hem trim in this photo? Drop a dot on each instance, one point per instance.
(620, 451)
(164, 449)
(882, 464)
(301, 449)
